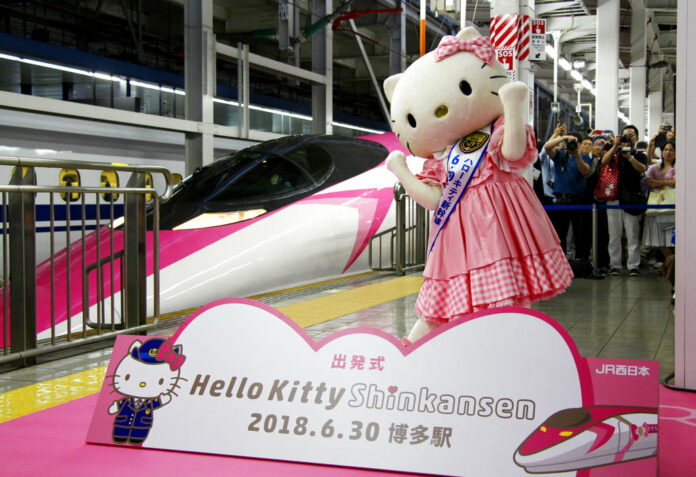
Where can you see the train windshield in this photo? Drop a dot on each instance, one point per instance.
(271, 176)
(569, 418)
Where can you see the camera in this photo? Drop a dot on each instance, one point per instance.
(626, 139)
(572, 145)
(667, 127)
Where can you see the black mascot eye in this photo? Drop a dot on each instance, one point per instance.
(127, 377)
(411, 120)
(465, 87)
(161, 381)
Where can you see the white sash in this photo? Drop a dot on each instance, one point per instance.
(462, 162)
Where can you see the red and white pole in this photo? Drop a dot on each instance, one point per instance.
(422, 27)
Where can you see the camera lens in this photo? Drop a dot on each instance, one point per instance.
(626, 138)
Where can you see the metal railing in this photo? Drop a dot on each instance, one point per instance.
(408, 239)
(117, 254)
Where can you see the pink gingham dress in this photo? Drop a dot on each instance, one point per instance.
(498, 247)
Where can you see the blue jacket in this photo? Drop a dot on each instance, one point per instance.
(135, 421)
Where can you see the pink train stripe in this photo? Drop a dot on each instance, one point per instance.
(174, 246)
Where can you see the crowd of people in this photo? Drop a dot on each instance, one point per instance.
(623, 173)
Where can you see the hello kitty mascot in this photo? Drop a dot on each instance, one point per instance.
(491, 243)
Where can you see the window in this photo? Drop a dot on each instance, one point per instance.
(109, 179)
(69, 178)
(148, 185)
(272, 176)
(313, 159)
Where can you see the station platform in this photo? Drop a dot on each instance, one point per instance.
(45, 409)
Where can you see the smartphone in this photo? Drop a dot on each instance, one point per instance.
(668, 128)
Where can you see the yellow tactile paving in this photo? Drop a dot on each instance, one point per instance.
(189, 311)
(319, 310)
(35, 397)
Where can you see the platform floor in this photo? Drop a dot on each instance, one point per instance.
(46, 408)
(616, 317)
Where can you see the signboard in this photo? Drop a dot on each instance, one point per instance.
(500, 392)
(538, 40)
(507, 57)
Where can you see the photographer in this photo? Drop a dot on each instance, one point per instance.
(632, 165)
(664, 133)
(570, 168)
(602, 251)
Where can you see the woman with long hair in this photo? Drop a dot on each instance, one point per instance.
(657, 231)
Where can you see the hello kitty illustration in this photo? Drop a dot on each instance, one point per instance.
(491, 243)
(147, 376)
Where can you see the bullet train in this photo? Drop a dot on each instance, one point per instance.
(282, 213)
(591, 436)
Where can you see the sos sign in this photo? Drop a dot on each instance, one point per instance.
(508, 58)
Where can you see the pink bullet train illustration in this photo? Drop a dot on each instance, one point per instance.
(279, 214)
(591, 436)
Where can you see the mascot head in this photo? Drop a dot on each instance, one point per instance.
(447, 93)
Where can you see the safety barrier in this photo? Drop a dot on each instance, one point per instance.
(409, 238)
(110, 261)
(595, 208)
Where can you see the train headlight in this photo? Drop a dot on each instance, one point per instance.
(215, 219)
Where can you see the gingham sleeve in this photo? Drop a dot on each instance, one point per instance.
(528, 158)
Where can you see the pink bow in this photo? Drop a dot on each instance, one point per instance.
(480, 46)
(167, 353)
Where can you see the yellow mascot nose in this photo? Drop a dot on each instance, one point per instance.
(442, 111)
(142, 384)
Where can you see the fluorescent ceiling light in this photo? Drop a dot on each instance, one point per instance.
(225, 101)
(586, 84)
(164, 89)
(57, 67)
(215, 219)
(107, 77)
(167, 89)
(578, 64)
(359, 128)
(9, 57)
(565, 64)
(145, 85)
(577, 76)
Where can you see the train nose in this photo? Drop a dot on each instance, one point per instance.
(523, 460)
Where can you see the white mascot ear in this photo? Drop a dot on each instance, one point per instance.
(390, 84)
(468, 33)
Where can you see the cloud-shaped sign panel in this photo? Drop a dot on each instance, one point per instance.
(458, 403)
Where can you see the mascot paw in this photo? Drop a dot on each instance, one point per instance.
(396, 161)
(515, 92)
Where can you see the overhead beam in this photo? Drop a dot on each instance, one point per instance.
(548, 8)
(272, 66)
(579, 47)
(585, 23)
